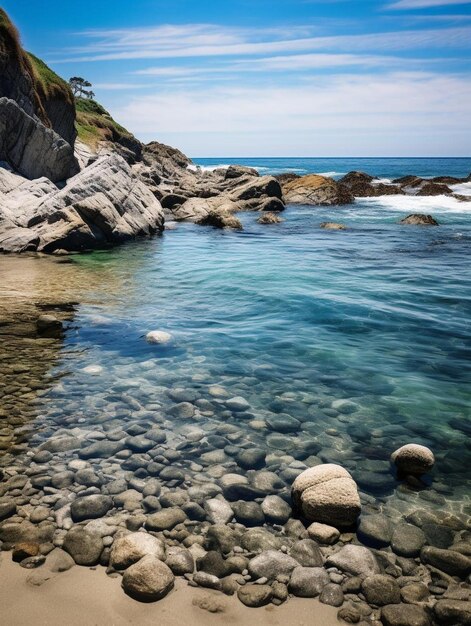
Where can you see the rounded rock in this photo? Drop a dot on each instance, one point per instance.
(413, 459)
(148, 580)
(158, 337)
(129, 549)
(327, 494)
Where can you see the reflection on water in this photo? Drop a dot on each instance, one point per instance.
(341, 346)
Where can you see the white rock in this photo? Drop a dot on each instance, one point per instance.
(158, 337)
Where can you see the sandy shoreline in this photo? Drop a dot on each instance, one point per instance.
(88, 597)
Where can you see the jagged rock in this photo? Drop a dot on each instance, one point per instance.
(32, 149)
(236, 171)
(363, 185)
(270, 218)
(419, 219)
(316, 190)
(105, 204)
(327, 494)
(221, 219)
(434, 189)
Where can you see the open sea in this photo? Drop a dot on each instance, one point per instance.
(343, 345)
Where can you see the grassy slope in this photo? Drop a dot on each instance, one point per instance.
(95, 124)
(48, 83)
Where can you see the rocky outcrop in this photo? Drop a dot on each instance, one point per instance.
(363, 185)
(419, 219)
(316, 190)
(105, 204)
(32, 149)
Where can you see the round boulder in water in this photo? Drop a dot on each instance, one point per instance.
(413, 459)
(158, 337)
(327, 494)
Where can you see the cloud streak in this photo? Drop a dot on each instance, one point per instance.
(424, 4)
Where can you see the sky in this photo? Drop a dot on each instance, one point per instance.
(269, 78)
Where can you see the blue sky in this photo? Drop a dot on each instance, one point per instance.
(269, 78)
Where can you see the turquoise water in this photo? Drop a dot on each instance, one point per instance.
(337, 167)
(344, 344)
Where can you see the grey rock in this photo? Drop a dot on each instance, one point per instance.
(180, 560)
(323, 533)
(90, 507)
(148, 580)
(449, 561)
(404, 615)
(375, 530)
(276, 510)
(59, 561)
(380, 590)
(307, 553)
(253, 458)
(165, 519)
(204, 579)
(308, 582)
(332, 595)
(7, 508)
(407, 540)
(255, 595)
(248, 513)
(271, 564)
(453, 612)
(84, 547)
(128, 549)
(32, 149)
(355, 560)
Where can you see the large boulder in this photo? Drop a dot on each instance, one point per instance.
(32, 149)
(316, 190)
(327, 494)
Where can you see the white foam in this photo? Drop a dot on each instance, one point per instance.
(331, 174)
(383, 181)
(462, 188)
(419, 204)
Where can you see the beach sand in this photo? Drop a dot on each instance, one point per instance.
(88, 597)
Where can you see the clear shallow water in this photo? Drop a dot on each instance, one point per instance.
(361, 336)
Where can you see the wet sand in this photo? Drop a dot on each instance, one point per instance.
(88, 597)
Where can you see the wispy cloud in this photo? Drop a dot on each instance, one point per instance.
(424, 4)
(200, 41)
(333, 116)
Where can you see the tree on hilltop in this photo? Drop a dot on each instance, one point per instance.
(78, 86)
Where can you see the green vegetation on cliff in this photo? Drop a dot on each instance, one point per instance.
(48, 83)
(95, 124)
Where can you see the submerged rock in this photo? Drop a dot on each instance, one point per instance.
(413, 459)
(355, 560)
(158, 337)
(130, 548)
(270, 218)
(332, 226)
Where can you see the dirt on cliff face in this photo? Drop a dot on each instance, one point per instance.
(33, 85)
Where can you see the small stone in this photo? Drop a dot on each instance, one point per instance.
(148, 580)
(180, 560)
(276, 510)
(24, 550)
(252, 458)
(218, 511)
(323, 533)
(204, 579)
(333, 226)
(415, 592)
(307, 553)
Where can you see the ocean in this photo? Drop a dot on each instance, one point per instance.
(342, 345)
